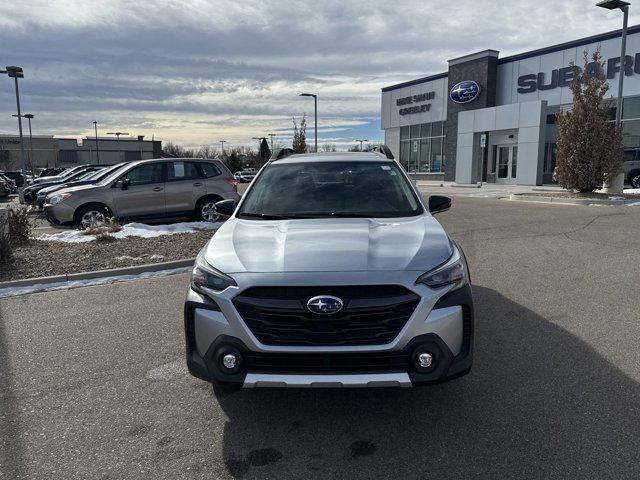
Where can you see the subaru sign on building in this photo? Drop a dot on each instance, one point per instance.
(434, 125)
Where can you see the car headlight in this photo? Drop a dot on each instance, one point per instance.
(205, 278)
(453, 272)
(55, 199)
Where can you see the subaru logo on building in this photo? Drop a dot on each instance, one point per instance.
(465, 92)
(324, 304)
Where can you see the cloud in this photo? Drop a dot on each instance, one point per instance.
(197, 71)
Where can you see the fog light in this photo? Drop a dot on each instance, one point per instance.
(229, 361)
(425, 360)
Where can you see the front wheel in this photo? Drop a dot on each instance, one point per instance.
(634, 179)
(90, 215)
(206, 210)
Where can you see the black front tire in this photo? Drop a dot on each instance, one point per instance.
(98, 212)
(634, 179)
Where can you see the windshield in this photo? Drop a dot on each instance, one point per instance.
(90, 175)
(330, 189)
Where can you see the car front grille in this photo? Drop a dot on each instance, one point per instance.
(397, 361)
(372, 315)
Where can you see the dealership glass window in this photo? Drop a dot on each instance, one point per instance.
(514, 162)
(422, 147)
(424, 154)
(404, 133)
(494, 158)
(404, 155)
(437, 154)
(631, 108)
(550, 150)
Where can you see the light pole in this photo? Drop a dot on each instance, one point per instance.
(16, 73)
(271, 135)
(117, 134)
(222, 142)
(617, 184)
(29, 116)
(95, 126)
(365, 140)
(315, 121)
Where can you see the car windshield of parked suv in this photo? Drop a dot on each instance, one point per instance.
(330, 189)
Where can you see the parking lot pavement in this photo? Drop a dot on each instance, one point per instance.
(93, 383)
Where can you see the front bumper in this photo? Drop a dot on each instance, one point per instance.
(60, 214)
(442, 324)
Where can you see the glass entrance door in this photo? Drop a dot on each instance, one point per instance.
(506, 163)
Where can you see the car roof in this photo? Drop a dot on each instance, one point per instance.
(170, 159)
(335, 157)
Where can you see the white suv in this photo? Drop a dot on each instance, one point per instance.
(330, 272)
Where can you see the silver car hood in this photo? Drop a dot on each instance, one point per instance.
(329, 245)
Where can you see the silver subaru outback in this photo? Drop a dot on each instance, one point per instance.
(330, 272)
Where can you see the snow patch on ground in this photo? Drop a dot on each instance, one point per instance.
(132, 230)
(48, 287)
(631, 190)
(126, 258)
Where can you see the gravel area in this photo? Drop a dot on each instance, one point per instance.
(40, 259)
(594, 195)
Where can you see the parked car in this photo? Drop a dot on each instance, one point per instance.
(147, 189)
(65, 173)
(245, 176)
(5, 188)
(17, 177)
(87, 179)
(631, 168)
(332, 271)
(12, 185)
(51, 171)
(29, 194)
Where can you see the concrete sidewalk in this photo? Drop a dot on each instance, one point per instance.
(487, 190)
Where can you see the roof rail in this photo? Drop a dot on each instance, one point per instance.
(280, 153)
(383, 149)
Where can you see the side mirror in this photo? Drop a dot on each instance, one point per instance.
(438, 203)
(226, 207)
(125, 183)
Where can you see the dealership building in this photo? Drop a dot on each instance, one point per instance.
(492, 119)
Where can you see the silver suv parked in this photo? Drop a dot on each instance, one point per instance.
(330, 272)
(146, 189)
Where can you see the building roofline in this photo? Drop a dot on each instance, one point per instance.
(600, 37)
(417, 81)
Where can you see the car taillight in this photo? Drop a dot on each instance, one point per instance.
(232, 182)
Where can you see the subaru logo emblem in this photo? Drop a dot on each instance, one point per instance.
(324, 304)
(465, 92)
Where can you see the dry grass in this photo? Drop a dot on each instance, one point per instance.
(103, 231)
(15, 230)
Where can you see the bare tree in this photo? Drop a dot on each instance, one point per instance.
(328, 147)
(590, 148)
(173, 150)
(299, 143)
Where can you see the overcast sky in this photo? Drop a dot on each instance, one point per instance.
(195, 72)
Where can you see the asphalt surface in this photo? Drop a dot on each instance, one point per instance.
(93, 385)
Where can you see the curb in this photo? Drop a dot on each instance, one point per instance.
(112, 272)
(570, 201)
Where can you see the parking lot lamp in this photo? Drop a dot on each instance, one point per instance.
(117, 134)
(617, 185)
(16, 73)
(95, 126)
(222, 142)
(365, 140)
(624, 6)
(315, 120)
